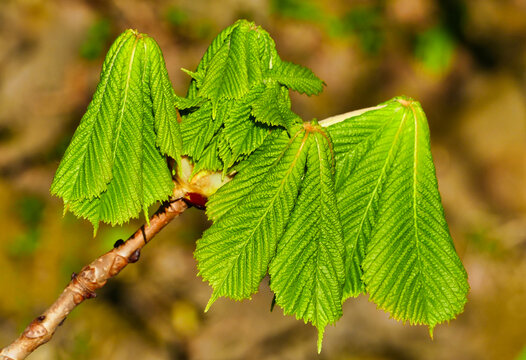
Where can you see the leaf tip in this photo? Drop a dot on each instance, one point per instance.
(321, 330)
(273, 303)
(145, 212)
(66, 209)
(431, 329)
(95, 229)
(405, 101)
(188, 72)
(212, 300)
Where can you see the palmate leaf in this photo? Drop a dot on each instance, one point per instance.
(261, 209)
(115, 166)
(377, 225)
(308, 272)
(393, 221)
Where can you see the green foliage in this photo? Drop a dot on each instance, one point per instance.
(235, 265)
(329, 210)
(115, 166)
(240, 89)
(308, 272)
(327, 228)
(398, 244)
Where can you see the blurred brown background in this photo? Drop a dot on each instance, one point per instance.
(465, 61)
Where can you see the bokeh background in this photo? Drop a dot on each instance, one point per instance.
(464, 60)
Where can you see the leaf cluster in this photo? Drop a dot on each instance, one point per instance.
(335, 211)
(328, 210)
(238, 94)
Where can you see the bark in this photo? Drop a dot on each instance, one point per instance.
(84, 284)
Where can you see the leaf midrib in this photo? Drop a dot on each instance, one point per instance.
(316, 311)
(125, 98)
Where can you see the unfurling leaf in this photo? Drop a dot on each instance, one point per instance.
(308, 272)
(115, 166)
(393, 221)
(245, 86)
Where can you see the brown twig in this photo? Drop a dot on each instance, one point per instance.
(84, 284)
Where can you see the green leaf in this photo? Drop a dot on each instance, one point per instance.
(198, 75)
(225, 152)
(182, 103)
(237, 69)
(209, 159)
(226, 74)
(243, 136)
(197, 130)
(114, 166)
(353, 139)
(85, 169)
(272, 107)
(308, 272)
(394, 225)
(118, 204)
(249, 174)
(297, 78)
(163, 100)
(255, 67)
(234, 253)
(217, 44)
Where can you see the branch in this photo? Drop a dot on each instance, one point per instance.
(92, 277)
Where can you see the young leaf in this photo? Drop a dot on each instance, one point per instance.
(85, 169)
(255, 68)
(114, 166)
(272, 107)
(249, 174)
(308, 272)
(239, 69)
(197, 130)
(186, 103)
(389, 186)
(166, 126)
(243, 136)
(209, 159)
(133, 187)
(226, 75)
(234, 253)
(297, 78)
(353, 139)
